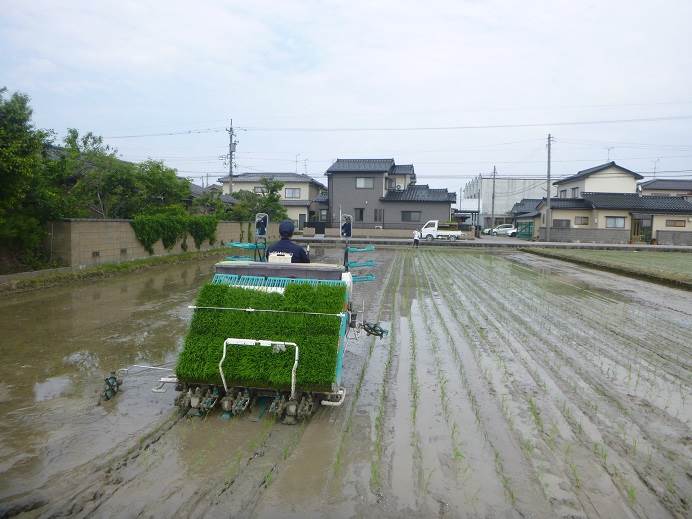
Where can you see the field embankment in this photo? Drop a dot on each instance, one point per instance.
(672, 268)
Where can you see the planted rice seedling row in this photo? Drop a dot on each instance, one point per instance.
(519, 309)
(542, 459)
(481, 415)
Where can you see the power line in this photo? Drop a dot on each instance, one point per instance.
(469, 127)
(409, 128)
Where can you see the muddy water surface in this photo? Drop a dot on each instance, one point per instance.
(509, 386)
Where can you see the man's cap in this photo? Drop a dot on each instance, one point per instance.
(286, 228)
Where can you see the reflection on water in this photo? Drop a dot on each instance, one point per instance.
(57, 346)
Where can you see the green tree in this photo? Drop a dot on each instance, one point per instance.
(27, 199)
(209, 203)
(160, 186)
(106, 186)
(249, 203)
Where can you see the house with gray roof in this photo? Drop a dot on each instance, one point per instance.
(667, 187)
(381, 193)
(615, 218)
(604, 178)
(303, 197)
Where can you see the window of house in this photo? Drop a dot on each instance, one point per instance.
(379, 215)
(575, 192)
(675, 223)
(259, 190)
(581, 220)
(563, 193)
(364, 183)
(292, 193)
(615, 222)
(323, 215)
(561, 224)
(360, 214)
(410, 216)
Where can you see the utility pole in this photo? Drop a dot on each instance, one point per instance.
(480, 192)
(548, 216)
(297, 155)
(231, 150)
(492, 204)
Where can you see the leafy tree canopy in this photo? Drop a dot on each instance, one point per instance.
(249, 203)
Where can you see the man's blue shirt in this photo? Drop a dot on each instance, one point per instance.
(286, 245)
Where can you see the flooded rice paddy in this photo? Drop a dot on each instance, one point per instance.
(509, 386)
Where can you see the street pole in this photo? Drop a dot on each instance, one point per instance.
(480, 192)
(548, 215)
(492, 204)
(231, 151)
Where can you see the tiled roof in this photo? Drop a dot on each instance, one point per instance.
(567, 203)
(532, 214)
(586, 172)
(403, 169)
(525, 205)
(668, 183)
(419, 193)
(283, 177)
(634, 202)
(322, 198)
(295, 203)
(197, 191)
(359, 165)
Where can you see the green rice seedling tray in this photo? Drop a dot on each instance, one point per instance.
(319, 337)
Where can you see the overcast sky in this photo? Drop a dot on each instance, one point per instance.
(131, 68)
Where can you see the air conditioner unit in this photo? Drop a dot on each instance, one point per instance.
(398, 187)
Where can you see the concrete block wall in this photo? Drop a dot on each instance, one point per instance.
(574, 235)
(89, 242)
(674, 237)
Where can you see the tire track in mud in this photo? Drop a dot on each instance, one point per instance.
(615, 425)
(501, 310)
(403, 452)
(329, 451)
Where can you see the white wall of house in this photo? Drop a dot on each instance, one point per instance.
(610, 180)
(571, 189)
(660, 223)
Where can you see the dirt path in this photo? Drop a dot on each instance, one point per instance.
(509, 386)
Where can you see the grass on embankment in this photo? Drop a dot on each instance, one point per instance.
(52, 279)
(670, 268)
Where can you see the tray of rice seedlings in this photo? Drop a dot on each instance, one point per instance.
(311, 317)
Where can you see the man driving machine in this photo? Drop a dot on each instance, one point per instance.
(298, 254)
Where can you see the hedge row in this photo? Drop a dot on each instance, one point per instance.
(169, 228)
(317, 337)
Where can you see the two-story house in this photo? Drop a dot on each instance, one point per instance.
(301, 195)
(380, 193)
(603, 204)
(606, 178)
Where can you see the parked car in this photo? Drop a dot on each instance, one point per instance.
(434, 229)
(505, 230)
(487, 231)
